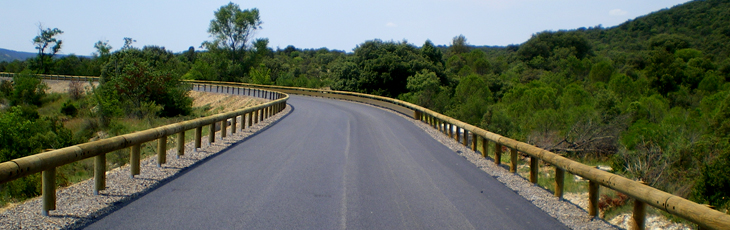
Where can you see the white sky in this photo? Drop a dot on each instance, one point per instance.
(335, 24)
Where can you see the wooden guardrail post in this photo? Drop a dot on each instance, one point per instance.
(485, 147)
(638, 217)
(458, 135)
(180, 144)
(559, 182)
(533, 169)
(211, 134)
(466, 138)
(161, 151)
(497, 153)
(249, 116)
(49, 190)
(233, 124)
(451, 130)
(134, 160)
(198, 136)
(99, 173)
(415, 115)
(513, 160)
(593, 188)
(473, 142)
(224, 125)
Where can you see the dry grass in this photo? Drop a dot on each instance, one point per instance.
(56, 86)
(219, 103)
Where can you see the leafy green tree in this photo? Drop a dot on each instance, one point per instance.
(127, 43)
(601, 71)
(432, 53)
(232, 28)
(28, 89)
(459, 45)
(380, 68)
(46, 38)
(472, 98)
(423, 88)
(261, 75)
(103, 49)
(544, 45)
(136, 78)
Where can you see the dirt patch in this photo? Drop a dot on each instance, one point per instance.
(221, 103)
(56, 86)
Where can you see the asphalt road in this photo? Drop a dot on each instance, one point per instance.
(333, 165)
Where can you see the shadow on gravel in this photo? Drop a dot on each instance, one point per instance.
(83, 222)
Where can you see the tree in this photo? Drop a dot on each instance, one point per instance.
(459, 45)
(103, 48)
(143, 79)
(232, 28)
(28, 89)
(380, 68)
(46, 38)
(127, 43)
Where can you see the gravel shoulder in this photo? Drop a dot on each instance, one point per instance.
(76, 206)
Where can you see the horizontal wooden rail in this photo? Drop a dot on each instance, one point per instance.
(702, 215)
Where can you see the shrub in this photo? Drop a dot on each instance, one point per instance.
(68, 108)
(75, 90)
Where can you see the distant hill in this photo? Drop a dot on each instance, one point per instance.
(11, 55)
(703, 25)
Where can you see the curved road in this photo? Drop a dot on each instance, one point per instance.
(333, 165)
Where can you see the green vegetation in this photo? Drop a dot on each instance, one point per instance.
(650, 97)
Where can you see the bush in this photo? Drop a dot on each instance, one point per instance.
(133, 77)
(713, 186)
(75, 90)
(6, 88)
(28, 89)
(68, 108)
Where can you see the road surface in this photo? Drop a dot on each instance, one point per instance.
(333, 165)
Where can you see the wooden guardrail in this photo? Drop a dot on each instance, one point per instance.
(703, 216)
(47, 162)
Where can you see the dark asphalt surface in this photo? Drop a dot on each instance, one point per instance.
(333, 165)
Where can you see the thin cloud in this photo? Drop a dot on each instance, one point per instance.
(617, 12)
(390, 24)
